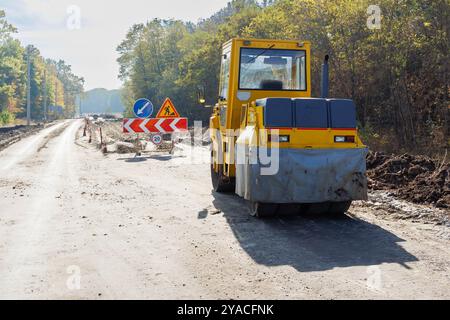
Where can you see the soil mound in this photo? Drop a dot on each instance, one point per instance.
(419, 179)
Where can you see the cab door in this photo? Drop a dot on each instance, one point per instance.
(224, 86)
(224, 151)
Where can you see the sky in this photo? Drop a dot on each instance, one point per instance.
(86, 33)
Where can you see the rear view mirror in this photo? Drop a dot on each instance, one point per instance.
(276, 61)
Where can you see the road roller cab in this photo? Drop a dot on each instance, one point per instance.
(272, 143)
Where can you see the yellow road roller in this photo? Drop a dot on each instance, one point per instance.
(275, 145)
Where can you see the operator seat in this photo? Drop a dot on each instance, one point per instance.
(271, 85)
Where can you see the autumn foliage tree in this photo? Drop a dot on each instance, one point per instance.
(51, 80)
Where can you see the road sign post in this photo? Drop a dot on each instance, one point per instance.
(167, 121)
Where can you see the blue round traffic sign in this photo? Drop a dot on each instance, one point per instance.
(143, 108)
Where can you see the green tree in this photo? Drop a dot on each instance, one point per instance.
(12, 76)
(47, 78)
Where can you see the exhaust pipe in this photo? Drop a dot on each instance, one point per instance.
(325, 78)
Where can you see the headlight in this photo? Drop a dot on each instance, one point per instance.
(281, 139)
(344, 139)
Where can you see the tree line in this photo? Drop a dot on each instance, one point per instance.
(396, 73)
(52, 83)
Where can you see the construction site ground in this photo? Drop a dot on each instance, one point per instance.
(150, 227)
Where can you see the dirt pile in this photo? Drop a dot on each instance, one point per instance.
(415, 178)
(126, 147)
(10, 135)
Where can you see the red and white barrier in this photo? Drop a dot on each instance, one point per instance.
(155, 125)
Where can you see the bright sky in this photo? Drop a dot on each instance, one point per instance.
(88, 40)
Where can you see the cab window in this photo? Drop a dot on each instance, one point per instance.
(272, 69)
(225, 75)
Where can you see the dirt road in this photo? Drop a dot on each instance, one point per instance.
(77, 224)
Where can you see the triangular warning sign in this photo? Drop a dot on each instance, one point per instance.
(168, 110)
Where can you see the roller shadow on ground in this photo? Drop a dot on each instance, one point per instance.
(311, 243)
